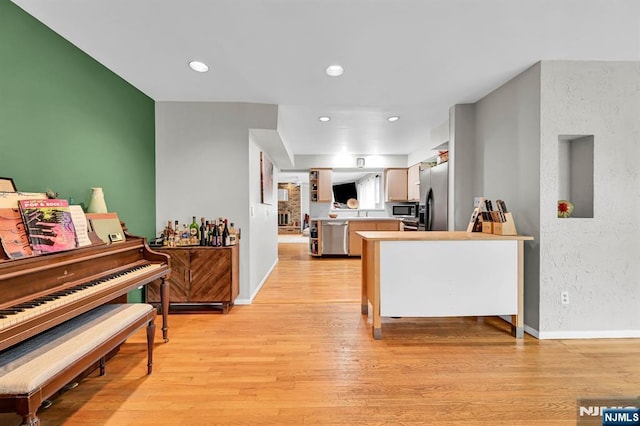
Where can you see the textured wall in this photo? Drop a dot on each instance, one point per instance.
(594, 259)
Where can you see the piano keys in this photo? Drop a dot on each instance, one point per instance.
(37, 293)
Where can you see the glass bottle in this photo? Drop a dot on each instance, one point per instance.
(176, 235)
(168, 235)
(225, 234)
(215, 240)
(194, 232)
(203, 232)
(232, 235)
(185, 235)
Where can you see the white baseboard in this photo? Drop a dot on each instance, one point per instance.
(255, 293)
(532, 331)
(591, 334)
(600, 334)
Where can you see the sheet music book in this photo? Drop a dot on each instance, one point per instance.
(13, 234)
(49, 225)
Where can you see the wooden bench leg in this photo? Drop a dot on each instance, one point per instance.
(27, 407)
(151, 333)
(30, 420)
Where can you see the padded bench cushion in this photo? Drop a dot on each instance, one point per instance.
(29, 365)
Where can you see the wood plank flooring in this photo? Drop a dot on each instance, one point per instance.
(303, 354)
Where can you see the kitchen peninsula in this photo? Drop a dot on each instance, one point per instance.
(442, 274)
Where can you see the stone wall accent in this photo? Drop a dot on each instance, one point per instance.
(289, 211)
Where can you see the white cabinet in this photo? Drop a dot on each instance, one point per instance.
(413, 183)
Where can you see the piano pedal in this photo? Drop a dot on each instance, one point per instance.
(46, 404)
(69, 386)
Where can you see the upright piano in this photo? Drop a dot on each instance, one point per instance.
(40, 292)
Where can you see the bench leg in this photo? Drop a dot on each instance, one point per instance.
(30, 420)
(151, 333)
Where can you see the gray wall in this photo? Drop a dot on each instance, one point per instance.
(507, 133)
(517, 158)
(206, 166)
(594, 259)
(464, 162)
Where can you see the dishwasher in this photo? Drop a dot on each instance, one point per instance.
(335, 237)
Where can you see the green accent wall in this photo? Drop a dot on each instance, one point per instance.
(69, 124)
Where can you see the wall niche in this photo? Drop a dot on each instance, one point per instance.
(575, 173)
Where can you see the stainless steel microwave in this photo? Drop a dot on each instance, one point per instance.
(405, 210)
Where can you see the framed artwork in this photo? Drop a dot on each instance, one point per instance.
(7, 185)
(266, 179)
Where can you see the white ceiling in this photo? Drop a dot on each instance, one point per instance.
(412, 58)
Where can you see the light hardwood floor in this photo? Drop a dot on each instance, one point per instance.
(303, 354)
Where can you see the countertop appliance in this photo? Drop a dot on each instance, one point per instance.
(434, 198)
(408, 213)
(404, 210)
(335, 237)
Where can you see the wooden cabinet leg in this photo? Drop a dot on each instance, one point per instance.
(164, 299)
(377, 333)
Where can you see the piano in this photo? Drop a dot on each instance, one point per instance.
(40, 292)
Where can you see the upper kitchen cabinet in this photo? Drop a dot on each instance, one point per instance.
(320, 185)
(395, 185)
(413, 183)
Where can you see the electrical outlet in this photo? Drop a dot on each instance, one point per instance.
(564, 297)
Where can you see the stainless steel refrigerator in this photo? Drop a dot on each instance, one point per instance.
(434, 198)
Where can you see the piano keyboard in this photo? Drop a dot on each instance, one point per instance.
(24, 311)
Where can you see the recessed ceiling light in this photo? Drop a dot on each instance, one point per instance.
(199, 66)
(334, 70)
(393, 118)
(324, 118)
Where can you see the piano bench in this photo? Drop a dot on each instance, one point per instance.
(35, 369)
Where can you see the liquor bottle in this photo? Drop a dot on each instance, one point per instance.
(215, 240)
(168, 235)
(203, 232)
(225, 235)
(194, 232)
(176, 235)
(232, 235)
(207, 235)
(185, 235)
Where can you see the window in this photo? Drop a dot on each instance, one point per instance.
(369, 191)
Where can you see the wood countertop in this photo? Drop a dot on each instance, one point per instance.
(355, 218)
(436, 236)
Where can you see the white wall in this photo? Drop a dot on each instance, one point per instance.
(348, 161)
(263, 226)
(437, 136)
(204, 168)
(594, 259)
